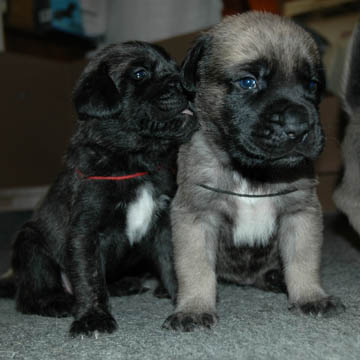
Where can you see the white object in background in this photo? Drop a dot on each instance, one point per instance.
(94, 14)
(2, 11)
(154, 20)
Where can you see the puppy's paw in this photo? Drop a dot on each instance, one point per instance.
(93, 322)
(187, 322)
(326, 307)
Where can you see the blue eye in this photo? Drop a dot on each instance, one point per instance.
(139, 74)
(313, 85)
(247, 83)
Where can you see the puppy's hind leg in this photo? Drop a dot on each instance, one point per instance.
(195, 253)
(38, 277)
(272, 280)
(300, 245)
(271, 275)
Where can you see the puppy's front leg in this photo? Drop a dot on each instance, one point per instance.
(300, 245)
(88, 282)
(195, 255)
(85, 269)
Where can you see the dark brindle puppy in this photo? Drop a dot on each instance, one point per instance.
(246, 210)
(94, 224)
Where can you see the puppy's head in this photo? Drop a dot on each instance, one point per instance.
(135, 88)
(257, 80)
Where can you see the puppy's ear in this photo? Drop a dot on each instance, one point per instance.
(351, 94)
(96, 95)
(189, 67)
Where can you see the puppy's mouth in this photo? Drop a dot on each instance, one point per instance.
(187, 112)
(175, 111)
(178, 126)
(189, 122)
(270, 154)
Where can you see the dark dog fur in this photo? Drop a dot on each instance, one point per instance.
(257, 81)
(87, 233)
(347, 194)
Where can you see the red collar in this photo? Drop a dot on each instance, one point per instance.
(115, 178)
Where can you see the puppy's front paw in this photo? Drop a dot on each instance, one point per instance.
(326, 307)
(190, 321)
(95, 321)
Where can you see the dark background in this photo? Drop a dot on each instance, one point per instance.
(40, 65)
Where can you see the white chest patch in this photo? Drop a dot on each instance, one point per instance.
(255, 221)
(140, 214)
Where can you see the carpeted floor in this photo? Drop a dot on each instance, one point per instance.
(253, 324)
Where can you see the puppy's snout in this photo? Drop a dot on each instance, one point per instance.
(171, 97)
(295, 122)
(170, 88)
(174, 84)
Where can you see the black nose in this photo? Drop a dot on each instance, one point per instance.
(173, 83)
(295, 122)
(169, 89)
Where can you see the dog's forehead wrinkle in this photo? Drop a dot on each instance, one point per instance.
(286, 61)
(258, 67)
(237, 40)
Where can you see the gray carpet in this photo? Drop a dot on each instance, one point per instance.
(253, 324)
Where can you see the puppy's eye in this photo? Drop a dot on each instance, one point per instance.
(313, 85)
(139, 74)
(247, 83)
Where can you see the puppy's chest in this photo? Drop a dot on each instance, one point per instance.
(142, 212)
(254, 220)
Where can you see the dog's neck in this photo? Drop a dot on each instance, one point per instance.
(265, 174)
(258, 177)
(274, 174)
(99, 134)
(94, 159)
